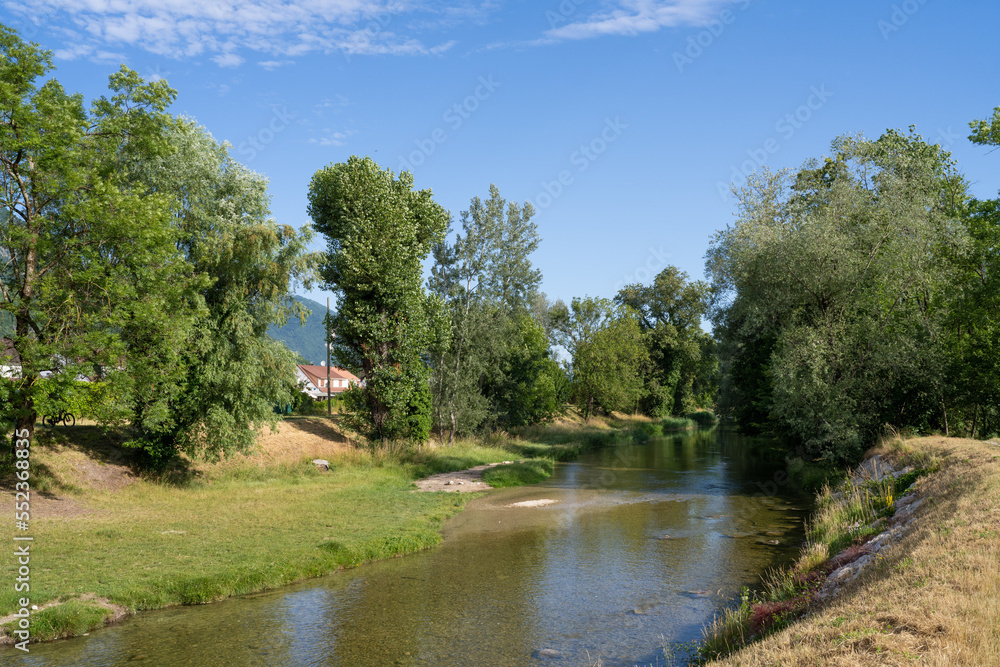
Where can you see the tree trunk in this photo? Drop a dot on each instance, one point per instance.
(25, 420)
(944, 409)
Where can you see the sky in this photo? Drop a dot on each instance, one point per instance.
(624, 122)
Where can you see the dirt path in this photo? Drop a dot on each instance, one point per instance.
(462, 481)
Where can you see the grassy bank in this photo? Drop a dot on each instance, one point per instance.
(110, 541)
(932, 597)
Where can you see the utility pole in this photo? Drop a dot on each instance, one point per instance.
(326, 325)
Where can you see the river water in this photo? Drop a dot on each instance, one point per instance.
(618, 554)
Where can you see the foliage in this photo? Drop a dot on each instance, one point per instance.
(829, 293)
(681, 373)
(974, 322)
(606, 365)
(378, 231)
(233, 372)
(495, 369)
(90, 269)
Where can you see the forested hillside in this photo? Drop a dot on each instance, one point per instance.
(306, 338)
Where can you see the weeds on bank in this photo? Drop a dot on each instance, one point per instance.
(844, 521)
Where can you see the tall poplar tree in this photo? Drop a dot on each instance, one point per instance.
(378, 231)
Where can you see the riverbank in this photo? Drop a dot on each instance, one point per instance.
(109, 541)
(901, 567)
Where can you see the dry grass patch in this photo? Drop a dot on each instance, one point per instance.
(931, 599)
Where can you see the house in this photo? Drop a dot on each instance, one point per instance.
(10, 360)
(314, 378)
(10, 363)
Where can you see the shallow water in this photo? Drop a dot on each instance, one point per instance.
(641, 546)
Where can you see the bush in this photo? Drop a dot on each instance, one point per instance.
(703, 418)
(531, 471)
(677, 423)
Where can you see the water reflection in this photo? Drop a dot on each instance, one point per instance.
(641, 545)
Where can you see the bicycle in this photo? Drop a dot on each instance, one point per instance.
(64, 417)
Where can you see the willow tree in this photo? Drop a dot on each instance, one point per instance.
(833, 281)
(379, 231)
(232, 373)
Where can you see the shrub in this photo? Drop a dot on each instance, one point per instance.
(703, 418)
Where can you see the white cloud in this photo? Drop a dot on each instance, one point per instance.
(633, 17)
(228, 60)
(271, 65)
(221, 29)
(331, 138)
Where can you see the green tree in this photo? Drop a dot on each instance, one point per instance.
(975, 310)
(575, 325)
(608, 352)
(486, 278)
(233, 372)
(378, 231)
(525, 386)
(608, 366)
(670, 311)
(89, 269)
(835, 282)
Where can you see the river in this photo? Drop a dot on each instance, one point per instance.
(620, 553)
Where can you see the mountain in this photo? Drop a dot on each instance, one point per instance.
(306, 339)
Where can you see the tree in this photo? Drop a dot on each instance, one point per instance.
(487, 280)
(670, 312)
(88, 261)
(576, 324)
(607, 366)
(378, 231)
(830, 293)
(975, 309)
(609, 355)
(525, 386)
(233, 372)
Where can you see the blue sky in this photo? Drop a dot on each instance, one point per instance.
(622, 121)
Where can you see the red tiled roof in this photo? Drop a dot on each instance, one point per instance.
(335, 373)
(316, 374)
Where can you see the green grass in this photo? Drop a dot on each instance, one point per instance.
(69, 619)
(151, 545)
(531, 471)
(677, 423)
(703, 418)
(844, 517)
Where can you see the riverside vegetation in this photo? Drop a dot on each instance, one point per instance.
(932, 595)
(111, 539)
